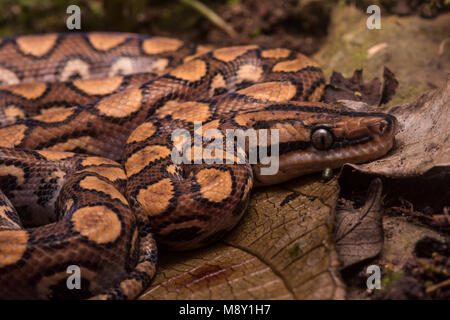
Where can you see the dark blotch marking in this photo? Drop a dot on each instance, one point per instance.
(46, 190)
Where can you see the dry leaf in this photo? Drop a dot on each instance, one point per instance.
(282, 249)
(390, 85)
(354, 88)
(359, 232)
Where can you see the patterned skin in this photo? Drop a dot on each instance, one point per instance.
(86, 151)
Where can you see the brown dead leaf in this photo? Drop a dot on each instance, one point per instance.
(390, 84)
(359, 232)
(354, 88)
(282, 249)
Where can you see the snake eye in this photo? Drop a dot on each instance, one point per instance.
(322, 139)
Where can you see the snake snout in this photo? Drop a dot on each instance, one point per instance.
(384, 125)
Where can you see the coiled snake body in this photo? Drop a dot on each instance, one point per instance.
(86, 151)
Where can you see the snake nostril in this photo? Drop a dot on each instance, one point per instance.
(379, 127)
(382, 127)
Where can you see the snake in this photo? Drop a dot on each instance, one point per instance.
(88, 182)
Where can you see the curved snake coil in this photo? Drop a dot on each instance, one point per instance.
(85, 151)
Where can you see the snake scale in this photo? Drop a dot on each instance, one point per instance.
(86, 173)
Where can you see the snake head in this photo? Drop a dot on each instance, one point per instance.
(315, 136)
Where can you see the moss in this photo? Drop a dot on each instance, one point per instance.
(233, 2)
(390, 278)
(405, 95)
(185, 16)
(359, 58)
(256, 32)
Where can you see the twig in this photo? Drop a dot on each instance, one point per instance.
(446, 214)
(438, 286)
(211, 16)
